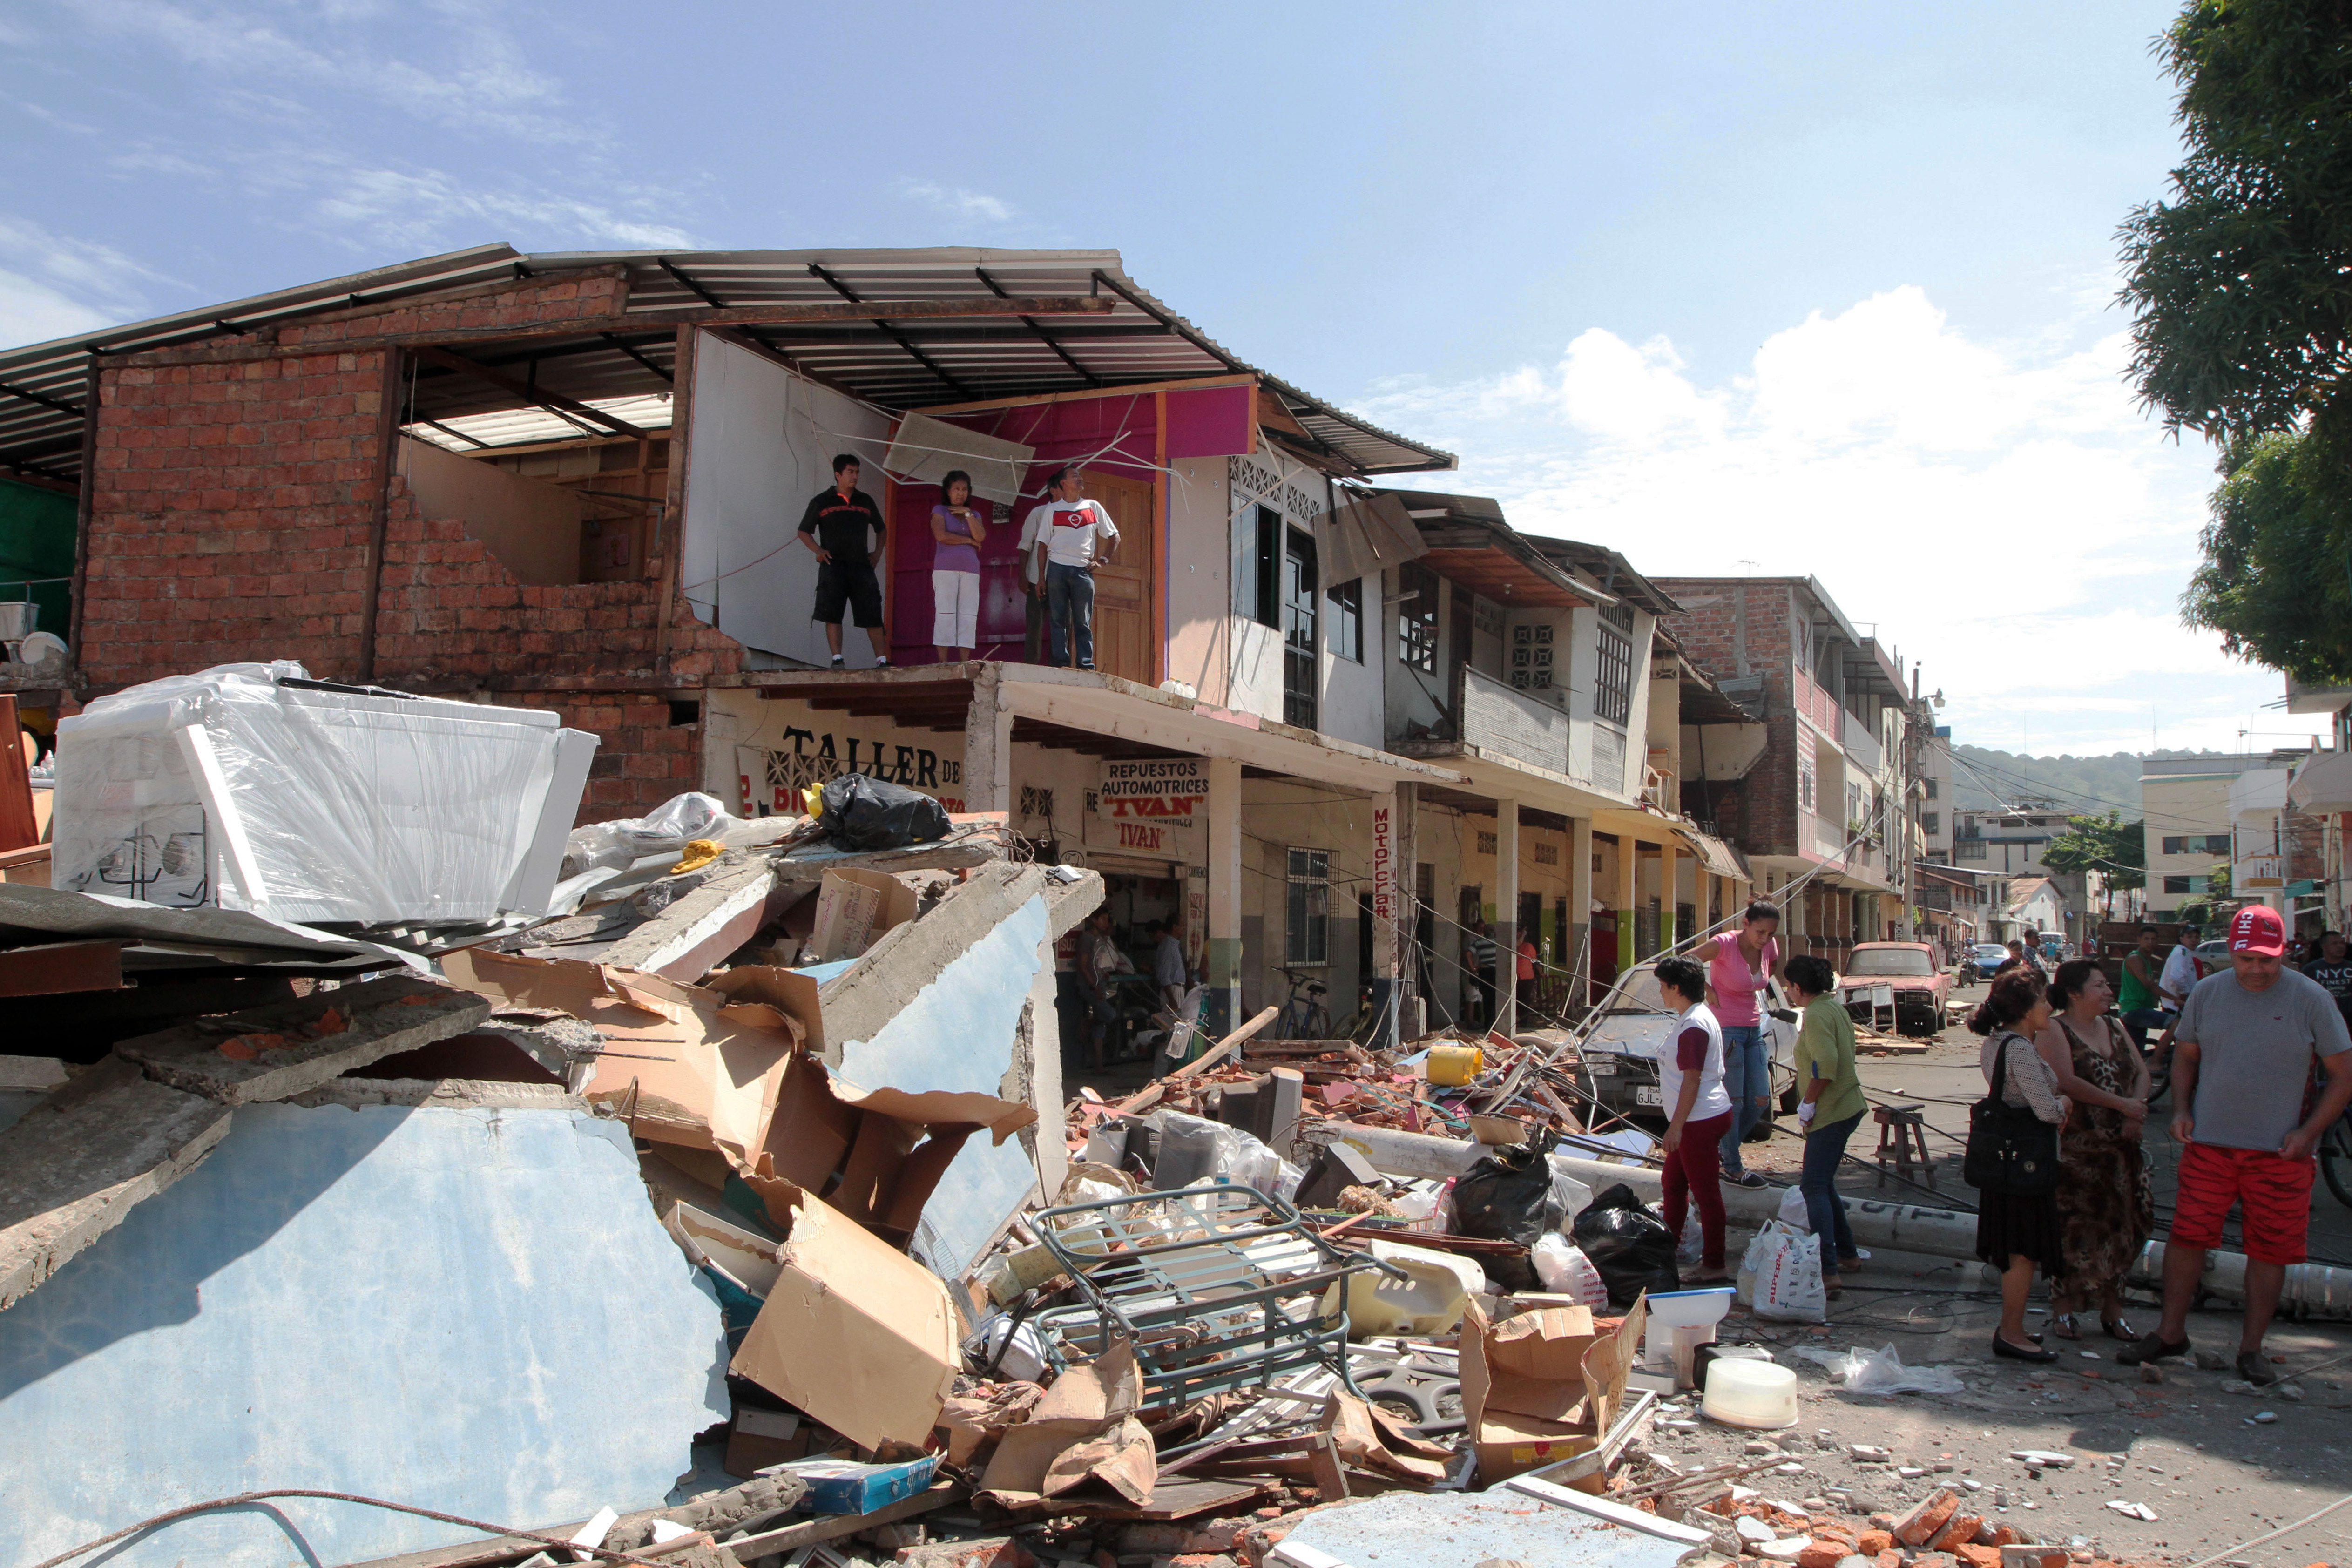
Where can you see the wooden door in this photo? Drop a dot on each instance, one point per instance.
(1126, 595)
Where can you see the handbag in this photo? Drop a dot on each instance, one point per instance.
(2011, 1149)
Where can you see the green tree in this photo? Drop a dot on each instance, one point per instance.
(2241, 284)
(2115, 849)
(2276, 580)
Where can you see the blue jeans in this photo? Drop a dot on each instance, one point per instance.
(1824, 1149)
(2140, 1020)
(1747, 1078)
(1069, 610)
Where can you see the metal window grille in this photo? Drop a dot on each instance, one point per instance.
(1614, 698)
(1308, 934)
(1417, 618)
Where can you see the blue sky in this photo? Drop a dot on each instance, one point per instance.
(1825, 289)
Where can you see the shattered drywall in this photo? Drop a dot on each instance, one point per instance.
(472, 1310)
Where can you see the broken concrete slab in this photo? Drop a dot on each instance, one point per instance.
(276, 1052)
(685, 940)
(474, 1307)
(75, 1165)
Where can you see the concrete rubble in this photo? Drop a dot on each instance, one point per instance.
(731, 1212)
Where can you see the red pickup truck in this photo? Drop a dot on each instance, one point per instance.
(1921, 987)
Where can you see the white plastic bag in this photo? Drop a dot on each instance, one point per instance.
(1793, 1211)
(1784, 1282)
(663, 831)
(1569, 1196)
(1691, 1246)
(1882, 1372)
(1024, 1359)
(1564, 1270)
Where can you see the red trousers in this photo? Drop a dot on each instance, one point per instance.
(1694, 1175)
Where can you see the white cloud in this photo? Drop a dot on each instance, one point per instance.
(424, 207)
(54, 286)
(2003, 512)
(957, 202)
(33, 312)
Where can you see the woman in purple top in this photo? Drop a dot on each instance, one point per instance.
(1738, 964)
(957, 534)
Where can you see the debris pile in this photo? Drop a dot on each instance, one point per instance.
(691, 1193)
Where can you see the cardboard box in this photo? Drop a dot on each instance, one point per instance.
(845, 1485)
(1544, 1387)
(758, 1438)
(854, 1334)
(853, 908)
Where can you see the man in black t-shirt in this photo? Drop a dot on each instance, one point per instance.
(2333, 969)
(834, 529)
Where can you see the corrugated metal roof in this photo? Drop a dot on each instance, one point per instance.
(899, 365)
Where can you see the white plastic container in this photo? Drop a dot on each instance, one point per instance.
(1683, 1310)
(1755, 1393)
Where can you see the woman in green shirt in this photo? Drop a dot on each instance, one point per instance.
(1832, 1106)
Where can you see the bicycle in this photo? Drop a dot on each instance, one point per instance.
(1303, 1016)
(2336, 1158)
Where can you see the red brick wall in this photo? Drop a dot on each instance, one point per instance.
(1726, 618)
(230, 508)
(232, 503)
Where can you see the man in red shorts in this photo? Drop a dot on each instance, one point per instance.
(2241, 1078)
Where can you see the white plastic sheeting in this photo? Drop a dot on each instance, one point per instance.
(231, 787)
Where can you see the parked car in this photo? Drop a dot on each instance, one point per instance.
(1910, 969)
(1982, 960)
(1621, 1054)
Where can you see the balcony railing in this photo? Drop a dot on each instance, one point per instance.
(1813, 703)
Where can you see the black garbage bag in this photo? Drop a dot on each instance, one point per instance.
(1506, 1196)
(1630, 1245)
(862, 813)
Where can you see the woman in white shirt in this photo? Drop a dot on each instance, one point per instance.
(1698, 1109)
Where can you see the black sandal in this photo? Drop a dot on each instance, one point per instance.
(2120, 1331)
(2062, 1324)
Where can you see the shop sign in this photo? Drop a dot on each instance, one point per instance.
(772, 778)
(1153, 807)
(1384, 900)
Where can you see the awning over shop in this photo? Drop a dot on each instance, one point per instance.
(1719, 858)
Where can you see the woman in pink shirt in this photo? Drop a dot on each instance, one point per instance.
(1738, 965)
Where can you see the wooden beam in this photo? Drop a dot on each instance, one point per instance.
(554, 401)
(387, 461)
(668, 531)
(641, 322)
(57, 967)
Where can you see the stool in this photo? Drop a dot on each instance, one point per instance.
(1902, 1130)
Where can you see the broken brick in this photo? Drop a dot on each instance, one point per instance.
(1921, 1524)
(1871, 1542)
(1959, 1530)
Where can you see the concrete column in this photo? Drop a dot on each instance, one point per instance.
(1670, 881)
(988, 745)
(1627, 850)
(1577, 956)
(1507, 915)
(1392, 884)
(1220, 1009)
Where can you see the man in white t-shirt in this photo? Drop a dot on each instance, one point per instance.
(2181, 971)
(1066, 538)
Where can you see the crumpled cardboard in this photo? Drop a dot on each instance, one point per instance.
(874, 1155)
(974, 1422)
(1544, 1387)
(686, 1064)
(854, 1333)
(1082, 1430)
(1370, 1439)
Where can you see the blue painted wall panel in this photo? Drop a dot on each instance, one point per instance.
(958, 1034)
(472, 1310)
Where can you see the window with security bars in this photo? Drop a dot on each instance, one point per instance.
(1299, 597)
(1306, 940)
(1417, 618)
(1613, 697)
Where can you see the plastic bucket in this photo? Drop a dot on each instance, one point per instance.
(1757, 1393)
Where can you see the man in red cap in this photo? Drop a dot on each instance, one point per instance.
(2246, 1124)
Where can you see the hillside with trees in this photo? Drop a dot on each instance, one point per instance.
(2089, 786)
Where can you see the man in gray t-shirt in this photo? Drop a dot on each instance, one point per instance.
(2245, 1118)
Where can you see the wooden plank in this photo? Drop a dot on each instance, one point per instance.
(536, 395)
(1170, 1500)
(56, 967)
(19, 829)
(1207, 1059)
(832, 1527)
